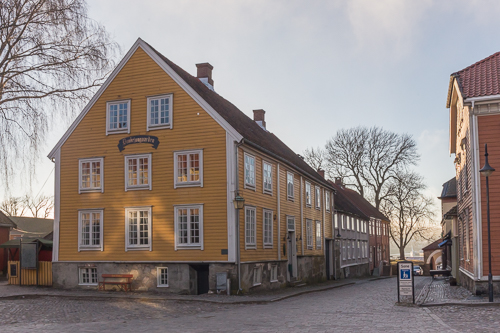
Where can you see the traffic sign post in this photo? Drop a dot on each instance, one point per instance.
(406, 285)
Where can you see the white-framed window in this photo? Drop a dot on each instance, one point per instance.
(160, 112)
(162, 276)
(348, 249)
(317, 197)
(90, 175)
(118, 117)
(308, 194)
(267, 228)
(318, 234)
(290, 223)
(90, 229)
(289, 185)
(138, 228)
(350, 223)
(188, 226)
(344, 219)
(274, 273)
(327, 200)
(267, 177)
(353, 254)
(250, 228)
(257, 275)
(138, 172)
(309, 233)
(343, 250)
(336, 219)
(188, 168)
(87, 276)
(249, 171)
(359, 250)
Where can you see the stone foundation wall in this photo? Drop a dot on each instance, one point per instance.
(477, 287)
(360, 270)
(247, 276)
(311, 269)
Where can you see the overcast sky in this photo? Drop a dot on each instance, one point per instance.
(318, 66)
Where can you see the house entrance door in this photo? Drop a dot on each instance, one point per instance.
(292, 255)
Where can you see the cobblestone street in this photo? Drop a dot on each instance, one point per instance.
(368, 306)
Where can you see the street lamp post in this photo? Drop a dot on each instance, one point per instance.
(486, 171)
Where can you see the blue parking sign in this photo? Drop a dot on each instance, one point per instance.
(405, 274)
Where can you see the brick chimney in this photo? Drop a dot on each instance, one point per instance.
(204, 73)
(321, 173)
(259, 117)
(338, 181)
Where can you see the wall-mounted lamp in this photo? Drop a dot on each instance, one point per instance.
(238, 201)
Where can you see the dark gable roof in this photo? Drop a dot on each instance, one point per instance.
(449, 189)
(344, 205)
(5, 221)
(252, 133)
(433, 245)
(451, 213)
(33, 225)
(363, 204)
(479, 79)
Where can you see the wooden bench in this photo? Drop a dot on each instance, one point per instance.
(124, 285)
(441, 272)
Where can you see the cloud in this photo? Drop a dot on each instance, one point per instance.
(387, 26)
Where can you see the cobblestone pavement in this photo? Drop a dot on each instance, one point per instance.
(367, 306)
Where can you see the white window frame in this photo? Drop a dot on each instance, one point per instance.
(139, 247)
(290, 190)
(290, 218)
(149, 185)
(318, 234)
(317, 197)
(327, 200)
(158, 277)
(99, 247)
(246, 184)
(264, 190)
(359, 249)
(118, 130)
(257, 275)
(344, 221)
(273, 273)
(251, 245)
(344, 250)
(269, 244)
(309, 234)
(308, 197)
(151, 127)
(196, 246)
(101, 175)
(348, 250)
(198, 183)
(89, 269)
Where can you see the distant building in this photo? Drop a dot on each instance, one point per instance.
(31, 227)
(6, 225)
(449, 226)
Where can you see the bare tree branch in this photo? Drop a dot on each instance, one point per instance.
(316, 158)
(52, 59)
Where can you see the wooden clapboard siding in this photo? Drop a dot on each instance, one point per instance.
(488, 129)
(311, 213)
(28, 277)
(193, 128)
(260, 200)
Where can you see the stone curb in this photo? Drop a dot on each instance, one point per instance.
(470, 304)
(142, 298)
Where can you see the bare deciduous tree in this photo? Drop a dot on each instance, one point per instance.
(40, 206)
(368, 158)
(52, 57)
(13, 206)
(315, 157)
(410, 212)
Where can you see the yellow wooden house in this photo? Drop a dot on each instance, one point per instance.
(146, 180)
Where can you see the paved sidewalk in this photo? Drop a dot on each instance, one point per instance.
(18, 292)
(438, 292)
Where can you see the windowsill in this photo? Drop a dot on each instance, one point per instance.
(249, 187)
(308, 206)
(162, 286)
(309, 248)
(120, 131)
(268, 246)
(88, 248)
(268, 192)
(272, 281)
(138, 188)
(93, 190)
(250, 247)
(187, 184)
(318, 208)
(89, 284)
(139, 248)
(256, 285)
(189, 247)
(158, 127)
(290, 198)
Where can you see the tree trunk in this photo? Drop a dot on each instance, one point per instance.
(402, 253)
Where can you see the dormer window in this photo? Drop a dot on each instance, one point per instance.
(118, 117)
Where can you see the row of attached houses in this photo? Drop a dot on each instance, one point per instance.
(474, 106)
(161, 177)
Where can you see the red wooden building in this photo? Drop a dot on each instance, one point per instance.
(6, 225)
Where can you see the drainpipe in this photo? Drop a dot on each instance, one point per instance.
(238, 259)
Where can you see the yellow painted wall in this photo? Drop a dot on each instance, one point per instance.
(193, 128)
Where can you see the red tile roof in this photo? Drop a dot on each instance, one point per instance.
(479, 79)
